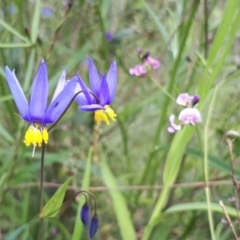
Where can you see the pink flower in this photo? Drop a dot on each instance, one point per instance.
(190, 116)
(173, 127)
(152, 63)
(148, 64)
(186, 100)
(138, 70)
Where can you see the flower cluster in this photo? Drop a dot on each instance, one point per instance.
(38, 115)
(189, 115)
(148, 64)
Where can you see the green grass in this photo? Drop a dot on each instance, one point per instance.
(134, 167)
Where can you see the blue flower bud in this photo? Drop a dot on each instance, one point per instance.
(85, 214)
(93, 226)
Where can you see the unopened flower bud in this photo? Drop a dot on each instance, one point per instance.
(93, 226)
(195, 100)
(85, 214)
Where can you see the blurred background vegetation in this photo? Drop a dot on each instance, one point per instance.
(134, 167)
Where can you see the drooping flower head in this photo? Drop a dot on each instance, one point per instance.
(99, 98)
(85, 214)
(36, 111)
(148, 63)
(93, 226)
(188, 115)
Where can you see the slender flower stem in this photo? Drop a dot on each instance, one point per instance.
(49, 129)
(205, 3)
(74, 196)
(234, 178)
(69, 6)
(161, 88)
(228, 219)
(41, 190)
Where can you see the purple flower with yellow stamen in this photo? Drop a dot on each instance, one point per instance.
(99, 98)
(36, 111)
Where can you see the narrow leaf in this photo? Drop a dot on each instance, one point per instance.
(35, 22)
(13, 31)
(119, 204)
(198, 206)
(54, 204)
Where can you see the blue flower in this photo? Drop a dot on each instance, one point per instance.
(99, 98)
(36, 112)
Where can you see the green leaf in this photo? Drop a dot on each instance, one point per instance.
(231, 7)
(201, 206)
(35, 22)
(119, 204)
(5, 134)
(13, 31)
(55, 202)
(15, 45)
(174, 158)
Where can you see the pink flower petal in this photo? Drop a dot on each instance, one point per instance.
(173, 127)
(190, 116)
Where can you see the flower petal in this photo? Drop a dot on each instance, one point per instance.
(104, 94)
(18, 94)
(190, 116)
(61, 102)
(152, 62)
(60, 85)
(94, 78)
(173, 127)
(112, 80)
(138, 70)
(86, 91)
(39, 94)
(183, 99)
(91, 108)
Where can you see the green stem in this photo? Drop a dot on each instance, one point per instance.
(41, 191)
(205, 163)
(161, 88)
(156, 215)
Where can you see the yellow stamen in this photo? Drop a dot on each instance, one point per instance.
(103, 114)
(35, 135)
(110, 112)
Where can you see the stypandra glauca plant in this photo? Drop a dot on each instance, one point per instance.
(42, 118)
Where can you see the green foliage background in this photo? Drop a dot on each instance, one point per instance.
(131, 165)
